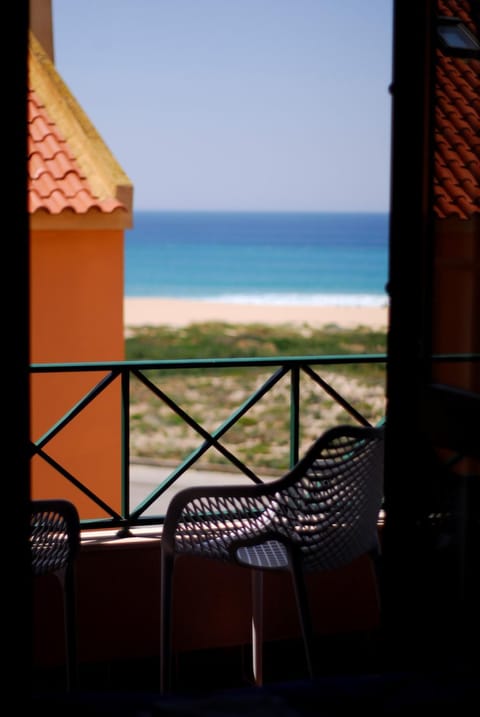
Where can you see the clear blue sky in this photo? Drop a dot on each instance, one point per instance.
(237, 104)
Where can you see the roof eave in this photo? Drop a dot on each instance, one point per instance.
(68, 220)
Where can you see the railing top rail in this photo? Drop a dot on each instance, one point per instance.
(209, 362)
(258, 361)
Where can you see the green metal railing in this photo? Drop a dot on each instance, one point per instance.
(124, 371)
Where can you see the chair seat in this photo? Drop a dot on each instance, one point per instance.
(270, 555)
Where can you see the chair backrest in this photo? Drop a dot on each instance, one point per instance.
(54, 535)
(324, 511)
(327, 507)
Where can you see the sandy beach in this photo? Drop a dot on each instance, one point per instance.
(146, 311)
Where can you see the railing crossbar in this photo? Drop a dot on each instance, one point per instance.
(78, 484)
(211, 439)
(336, 396)
(76, 409)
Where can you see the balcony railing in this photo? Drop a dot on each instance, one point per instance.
(326, 374)
(270, 373)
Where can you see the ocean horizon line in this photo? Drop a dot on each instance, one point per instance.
(383, 212)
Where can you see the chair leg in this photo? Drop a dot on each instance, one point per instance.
(377, 574)
(167, 563)
(301, 597)
(66, 578)
(257, 626)
(70, 630)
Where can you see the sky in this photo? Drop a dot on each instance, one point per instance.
(250, 105)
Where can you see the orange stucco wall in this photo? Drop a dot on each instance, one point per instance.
(455, 300)
(76, 315)
(342, 601)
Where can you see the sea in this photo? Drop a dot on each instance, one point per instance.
(276, 258)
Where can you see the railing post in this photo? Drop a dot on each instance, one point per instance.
(294, 414)
(125, 418)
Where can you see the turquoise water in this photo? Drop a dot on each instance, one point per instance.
(259, 257)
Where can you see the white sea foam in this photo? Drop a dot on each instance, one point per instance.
(298, 299)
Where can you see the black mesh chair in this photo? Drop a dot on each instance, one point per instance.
(54, 544)
(320, 515)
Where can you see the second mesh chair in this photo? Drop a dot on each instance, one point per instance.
(320, 515)
(54, 546)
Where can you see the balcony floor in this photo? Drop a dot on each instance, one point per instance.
(216, 682)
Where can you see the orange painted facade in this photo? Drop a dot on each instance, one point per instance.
(77, 316)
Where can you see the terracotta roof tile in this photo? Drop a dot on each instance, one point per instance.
(457, 125)
(55, 181)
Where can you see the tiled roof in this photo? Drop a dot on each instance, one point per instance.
(457, 124)
(55, 181)
(71, 172)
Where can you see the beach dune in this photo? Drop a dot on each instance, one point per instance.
(154, 311)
